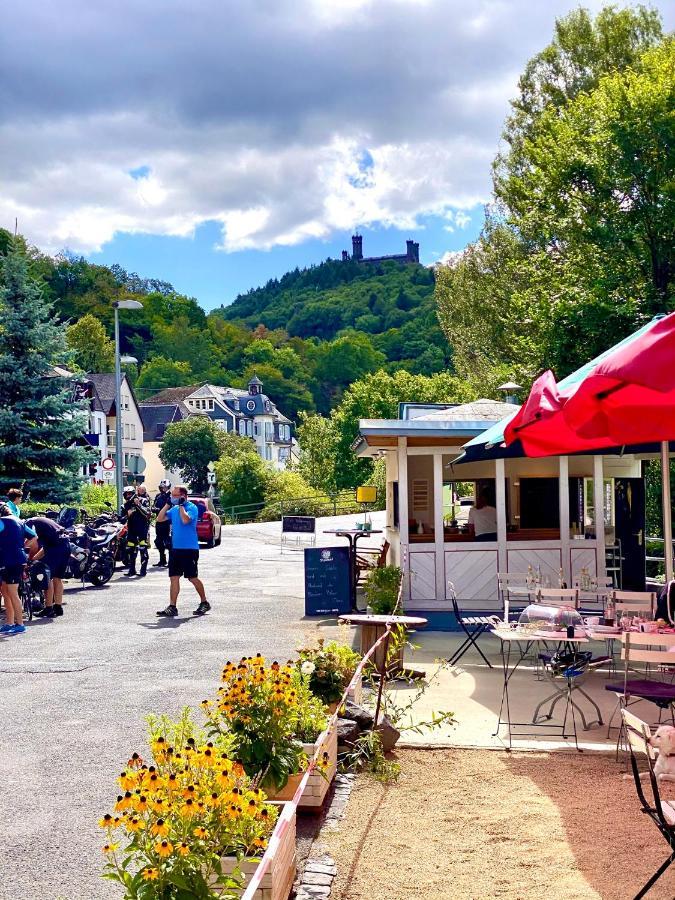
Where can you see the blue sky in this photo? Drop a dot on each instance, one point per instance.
(195, 268)
(218, 143)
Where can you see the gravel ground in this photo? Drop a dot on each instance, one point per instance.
(74, 693)
(480, 824)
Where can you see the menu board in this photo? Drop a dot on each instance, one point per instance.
(298, 524)
(327, 581)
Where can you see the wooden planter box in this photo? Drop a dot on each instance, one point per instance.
(278, 880)
(318, 784)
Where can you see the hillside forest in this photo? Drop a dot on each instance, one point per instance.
(575, 253)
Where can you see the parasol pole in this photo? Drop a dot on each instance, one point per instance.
(667, 510)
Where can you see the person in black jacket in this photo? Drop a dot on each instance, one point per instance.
(138, 512)
(162, 529)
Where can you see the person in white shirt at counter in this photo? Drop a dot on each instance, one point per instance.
(483, 520)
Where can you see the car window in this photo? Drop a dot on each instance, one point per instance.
(201, 507)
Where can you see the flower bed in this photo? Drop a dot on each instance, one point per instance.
(320, 779)
(278, 880)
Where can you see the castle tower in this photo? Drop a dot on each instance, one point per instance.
(412, 251)
(345, 256)
(357, 247)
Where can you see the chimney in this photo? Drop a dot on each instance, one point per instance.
(357, 247)
(510, 390)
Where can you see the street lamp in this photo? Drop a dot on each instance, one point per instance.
(119, 456)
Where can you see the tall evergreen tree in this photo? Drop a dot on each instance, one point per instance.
(39, 419)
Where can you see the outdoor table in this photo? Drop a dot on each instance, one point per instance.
(510, 637)
(352, 535)
(372, 629)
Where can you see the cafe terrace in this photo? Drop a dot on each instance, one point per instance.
(546, 508)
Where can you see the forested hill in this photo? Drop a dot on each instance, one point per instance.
(390, 302)
(308, 335)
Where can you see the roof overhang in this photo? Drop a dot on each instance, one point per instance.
(382, 434)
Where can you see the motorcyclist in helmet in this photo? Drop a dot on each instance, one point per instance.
(162, 529)
(138, 512)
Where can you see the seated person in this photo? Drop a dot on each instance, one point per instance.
(665, 605)
(483, 519)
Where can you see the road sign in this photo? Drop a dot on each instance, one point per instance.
(108, 474)
(211, 477)
(108, 464)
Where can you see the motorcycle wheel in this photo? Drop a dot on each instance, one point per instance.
(103, 571)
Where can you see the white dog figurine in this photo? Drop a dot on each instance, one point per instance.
(663, 741)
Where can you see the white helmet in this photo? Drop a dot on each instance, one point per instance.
(164, 484)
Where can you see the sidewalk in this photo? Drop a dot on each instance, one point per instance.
(472, 691)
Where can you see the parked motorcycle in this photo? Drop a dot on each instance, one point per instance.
(92, 554)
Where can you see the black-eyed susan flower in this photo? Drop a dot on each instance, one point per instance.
(200, 832)
(160, 828)
(182, 849)
(150, 874)
(110, 848)
(106, 821)
(134, 824)
(163, 848)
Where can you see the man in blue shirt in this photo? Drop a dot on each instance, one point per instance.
(184, 552)
(13, 534)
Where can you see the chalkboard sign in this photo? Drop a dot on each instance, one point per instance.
(327, 581)
(298, 524)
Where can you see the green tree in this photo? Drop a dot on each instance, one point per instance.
(341, 362)
(159, 373)
(190, 446)
(39, 419)
(242, 476)
(318, 464)
(583, 49)
(93, 351)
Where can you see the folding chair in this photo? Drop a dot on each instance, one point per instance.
(558, 597)
(642, 603)
(367, 560)
(513, 585)
(661, 812)
(472, 626)
(638, 647)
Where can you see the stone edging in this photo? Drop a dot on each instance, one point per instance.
(316, 881)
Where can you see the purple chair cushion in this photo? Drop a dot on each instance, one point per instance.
(656, 691)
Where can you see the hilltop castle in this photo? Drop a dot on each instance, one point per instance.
(411, 255)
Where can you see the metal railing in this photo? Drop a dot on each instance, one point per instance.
(658, 540)
(340, 504)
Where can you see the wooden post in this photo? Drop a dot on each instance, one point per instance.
(439, 537)
(564, 503)
(500, 497)
(403, 515)
(599, 504)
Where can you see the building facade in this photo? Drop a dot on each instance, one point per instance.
(249, 413)
(99, 390)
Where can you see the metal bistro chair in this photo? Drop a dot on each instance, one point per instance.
(513, 586)
(472, 626)
(642, 603)
(639, 647)
(661, 812)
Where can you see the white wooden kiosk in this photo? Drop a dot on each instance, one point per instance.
(422, 453)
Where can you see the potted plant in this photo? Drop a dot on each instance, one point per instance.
(330, 668)
(185, 822)
(273, 721)
(382, 591)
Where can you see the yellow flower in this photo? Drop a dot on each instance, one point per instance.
(110, 848)
(127, 781)
(260, 842)
(141, 804)
(182, 849)
(135, 761)
(106, 821)
(188, 810)
(163, 848)
(200, 832)
(123, 802)
(150, 874)
(160, 828)
(134, 824)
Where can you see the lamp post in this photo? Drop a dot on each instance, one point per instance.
(119, 456)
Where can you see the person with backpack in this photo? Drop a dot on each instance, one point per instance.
(13, 535)
(53, 548)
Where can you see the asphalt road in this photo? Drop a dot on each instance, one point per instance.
(74, 693)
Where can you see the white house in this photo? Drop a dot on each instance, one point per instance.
(100, 391)
(250, 413)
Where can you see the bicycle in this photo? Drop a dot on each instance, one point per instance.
(32, 598)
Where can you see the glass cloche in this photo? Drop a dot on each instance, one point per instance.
(537, 617)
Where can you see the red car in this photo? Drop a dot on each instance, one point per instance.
(209, 526)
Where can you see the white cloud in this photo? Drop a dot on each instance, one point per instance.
(279, 119)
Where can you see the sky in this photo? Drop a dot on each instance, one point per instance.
(215, 144)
